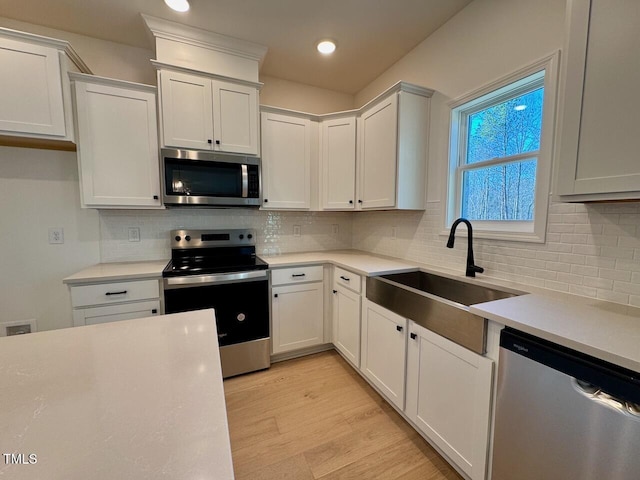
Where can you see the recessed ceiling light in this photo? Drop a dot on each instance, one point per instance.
(178, 5)
(519, 108)
(326, 47)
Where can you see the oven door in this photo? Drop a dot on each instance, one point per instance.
(240, 300)
(205, 178)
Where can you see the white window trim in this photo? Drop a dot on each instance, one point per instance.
(509, 230)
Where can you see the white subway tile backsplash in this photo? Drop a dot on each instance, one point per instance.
(591, 249)
(274, 230)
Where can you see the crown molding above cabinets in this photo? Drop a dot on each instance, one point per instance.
(374, 158)
(193, 48)
(35, 67)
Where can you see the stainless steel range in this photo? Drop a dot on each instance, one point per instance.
(219, 269)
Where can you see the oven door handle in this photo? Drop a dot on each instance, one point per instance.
(203, 280)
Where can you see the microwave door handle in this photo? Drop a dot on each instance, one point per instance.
(245, 181)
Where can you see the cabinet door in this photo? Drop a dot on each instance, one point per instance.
(115, 313)
(383, 351)
(235, 118)
(30, 89)
(449, 398)
(338, 158)
(297, 318)
(346, 324)
(598, 152)
(286, 161)
(117, 146)
(377, 156)
(187, 111)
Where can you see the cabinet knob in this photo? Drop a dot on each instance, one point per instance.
(350, 202)
(155, 197)
(217, 142)
(398, 328)
(335, 291)
(359, 201)
(266, 200)
(154, 311)
(413, 336)
(209, 141)
(275, 295)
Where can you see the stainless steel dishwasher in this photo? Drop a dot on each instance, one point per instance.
(563, 415)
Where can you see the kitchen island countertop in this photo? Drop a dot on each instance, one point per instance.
(137, 399)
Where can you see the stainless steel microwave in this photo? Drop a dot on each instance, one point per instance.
(210, 179)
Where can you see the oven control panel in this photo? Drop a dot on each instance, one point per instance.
(212, 238)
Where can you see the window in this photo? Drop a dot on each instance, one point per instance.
(500, 154)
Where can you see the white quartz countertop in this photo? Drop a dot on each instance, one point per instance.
(103, 272)
(603, 330)
(353, 260)
(138, 399)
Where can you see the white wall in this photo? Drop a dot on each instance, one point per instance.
(591, 250)
(305, 98)
(38, 190)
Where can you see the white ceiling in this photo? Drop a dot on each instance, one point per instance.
(371, 34)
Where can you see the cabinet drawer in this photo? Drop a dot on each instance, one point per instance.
(285, 276)
(348, 279)
(116, 292)
(115, 313)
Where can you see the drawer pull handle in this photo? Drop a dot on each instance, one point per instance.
(413, 336)
(298, 274)
(398, 328)
(346, 279)
(123, 292)
(154, 311)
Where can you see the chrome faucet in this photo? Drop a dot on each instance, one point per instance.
(471, 267)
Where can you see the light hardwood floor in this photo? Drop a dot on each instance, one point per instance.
(316, 418)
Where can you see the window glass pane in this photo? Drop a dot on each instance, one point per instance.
(508, 128)
(500, 192)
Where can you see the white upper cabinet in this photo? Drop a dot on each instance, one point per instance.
(117, 143)
(208, 114)
(286, 161)
(35, 98)
(338, 162)
(235, 118)
(187, 110)
(378, 145)
(598, 153)
(393, 132)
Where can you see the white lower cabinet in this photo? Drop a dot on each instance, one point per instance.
(449, 398)
(297, 316)
(114, 301)
(384, 344)
(346, 323)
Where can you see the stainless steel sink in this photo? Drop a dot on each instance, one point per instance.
(437, 303)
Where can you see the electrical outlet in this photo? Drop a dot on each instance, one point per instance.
(335, 229)
(56, 235)
(296, 230)
(394, 233)
(134, 234)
